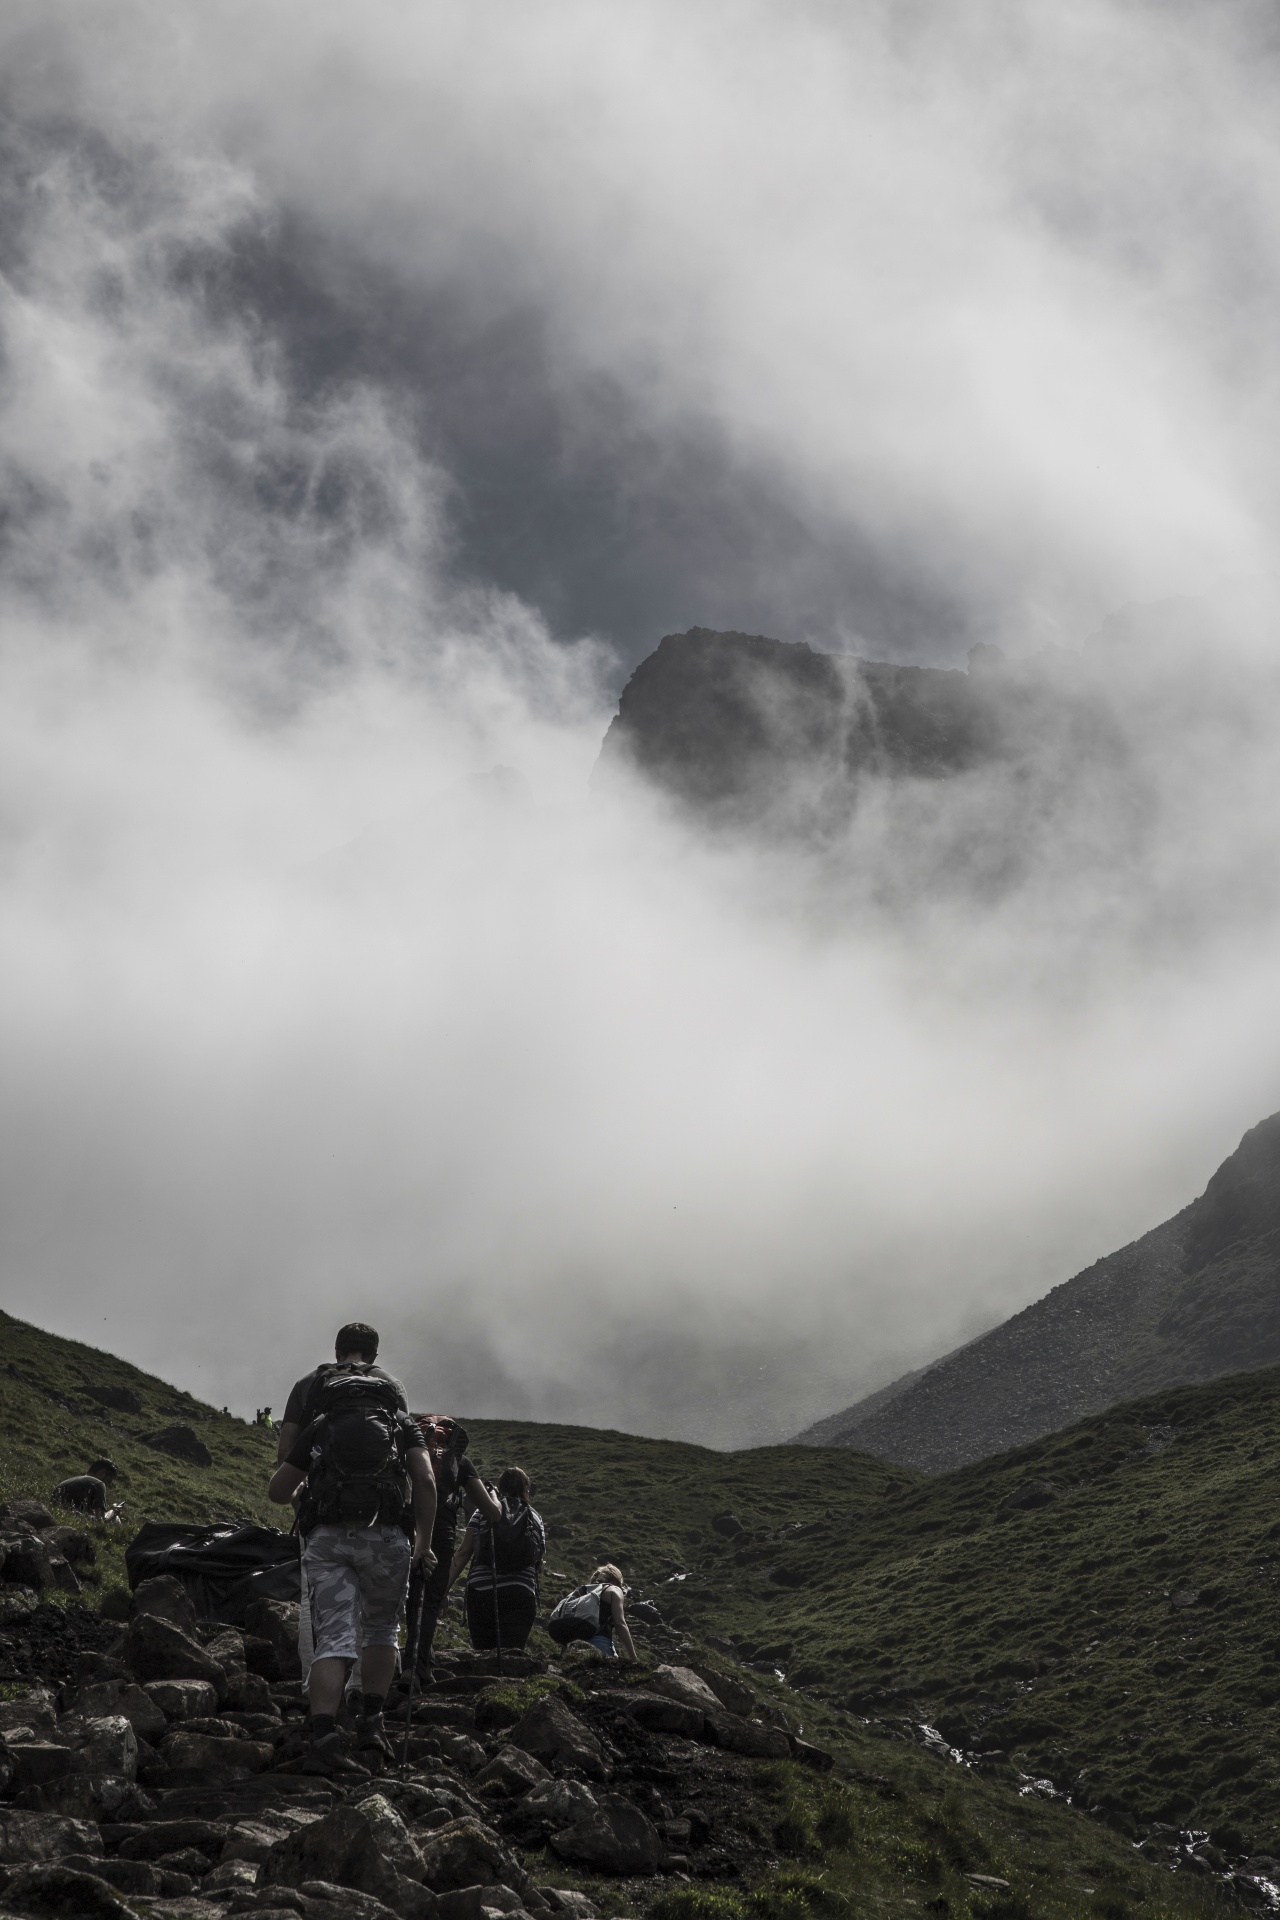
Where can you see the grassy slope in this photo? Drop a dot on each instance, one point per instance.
(905, 1825)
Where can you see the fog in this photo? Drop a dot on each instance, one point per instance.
(377, 386)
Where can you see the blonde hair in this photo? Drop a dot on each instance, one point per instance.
(611, 1575)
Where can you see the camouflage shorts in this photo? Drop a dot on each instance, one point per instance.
(356, 1577)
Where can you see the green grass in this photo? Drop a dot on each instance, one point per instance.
(884, 1595)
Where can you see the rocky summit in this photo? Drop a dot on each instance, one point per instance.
(1194, 1299)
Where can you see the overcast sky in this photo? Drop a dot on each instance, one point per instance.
(378, 384)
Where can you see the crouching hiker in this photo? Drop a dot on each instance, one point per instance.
(594, 1613)
(87, 1492)
(357, 1462)
(459, 1488)
(505, 1552)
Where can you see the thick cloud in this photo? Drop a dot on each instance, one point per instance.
(376, 383)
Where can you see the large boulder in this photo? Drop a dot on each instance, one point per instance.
(37, 1708)
(28, 1562)
(391, 1836)
(559, 1803)
(102, 1744)
(616, 1838)
(345, 1848)
(155, 1649)
(181, 1443)
(26, 1513)
(164, 1595)
(466, 1853)
(747, 1737)
(38, 1763)
(119, 1399)
(38, 1837)
(226, 1645)
(160, 1837)
(103, 1697)
(552, 1732)
(72, 1543)
(660, 1715)
(61, 1893)
(731, 1693)
(183, 1699)
(682, 1683)
(276, 1623)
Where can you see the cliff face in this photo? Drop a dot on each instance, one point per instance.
(752, 731)
(1193, 1299)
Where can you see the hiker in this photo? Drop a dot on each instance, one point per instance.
(263, 1418)
(87, 1492)
(356, 1345)
(456, 1481)
(354, 1465)
(594, 1613)
(505, 1552)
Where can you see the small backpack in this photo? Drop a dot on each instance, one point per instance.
(356, 1473)
(577, 1616)
(516, 1545)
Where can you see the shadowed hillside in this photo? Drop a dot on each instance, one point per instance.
(1193, 1299)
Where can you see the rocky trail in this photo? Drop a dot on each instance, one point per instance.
(157, 1766)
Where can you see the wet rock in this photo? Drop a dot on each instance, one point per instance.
(165, 1596)
(37, 1837)
(510, 1773)
(212, 1754)
(552, 1732)
(467, 1854)
(747, 1737)
(616, 1838)
(61, 1891)
(183, 1699)
(181, 1442)
(26, 1513)
(662, 1715)
(155, 1649)
(119, 1399)
(73, 1544)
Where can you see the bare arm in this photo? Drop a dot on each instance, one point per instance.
(488, 1503)
(287, 1432)
(422, 1480)
(463, 1552)
(618, 1609)
(284, 1483)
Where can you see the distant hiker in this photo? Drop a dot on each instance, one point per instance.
(356, 1345)
(505, 1552)
(594, 1613)
(87, 1492)
(262, 1418)
(457, 1482)
(355, 1464)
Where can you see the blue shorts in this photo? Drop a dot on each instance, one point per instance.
(603, 1644)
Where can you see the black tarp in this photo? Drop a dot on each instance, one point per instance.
(223, 1568)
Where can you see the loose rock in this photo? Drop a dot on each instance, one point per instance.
(616, 1838)
(552, 1732)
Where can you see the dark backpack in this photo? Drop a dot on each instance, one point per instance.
(356, 1472)
(516, 1545)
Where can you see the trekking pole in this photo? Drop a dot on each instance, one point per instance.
(415, 1641)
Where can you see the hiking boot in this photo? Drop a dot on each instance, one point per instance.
(373, 1744)
(328, 1755)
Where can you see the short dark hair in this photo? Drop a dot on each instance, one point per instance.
(357, 1338)
(102, 1469)
(514, 1480)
